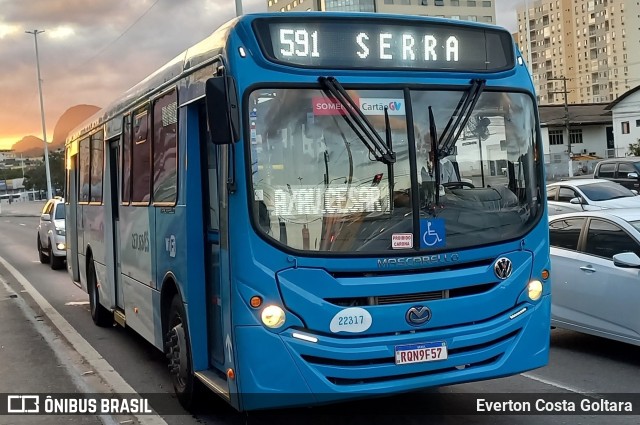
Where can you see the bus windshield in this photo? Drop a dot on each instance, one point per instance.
(316, 186)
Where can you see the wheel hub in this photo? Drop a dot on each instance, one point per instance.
(176, 349)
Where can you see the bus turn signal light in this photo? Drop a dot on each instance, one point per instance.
(545, 274)
(255, 301)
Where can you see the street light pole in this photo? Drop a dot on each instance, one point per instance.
(238, 7)
(44, 127)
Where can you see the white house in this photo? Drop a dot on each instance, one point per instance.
(590, 135)
(626, 119)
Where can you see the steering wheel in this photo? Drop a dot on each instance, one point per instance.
(450, 185)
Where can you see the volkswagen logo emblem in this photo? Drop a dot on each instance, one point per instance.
(503, 268)
(418, 315)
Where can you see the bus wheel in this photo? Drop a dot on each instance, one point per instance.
(41, 255)
(178, 352)
(100, 315)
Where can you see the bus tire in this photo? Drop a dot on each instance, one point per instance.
(100, 315)
(178, 351)
(41, 255)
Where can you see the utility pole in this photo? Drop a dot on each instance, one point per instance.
(44, 127)
(238, 7)
(565, 92)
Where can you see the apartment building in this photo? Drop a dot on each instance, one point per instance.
(468, 10)
(595, 44)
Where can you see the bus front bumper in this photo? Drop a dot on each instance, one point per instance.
(282, 370)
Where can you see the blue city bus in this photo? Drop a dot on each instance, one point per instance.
(314, 207)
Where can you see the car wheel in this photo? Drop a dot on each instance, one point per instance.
(178, 352)
(41, 255)
(100, 315)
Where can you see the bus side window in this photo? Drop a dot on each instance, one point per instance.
(85, 171)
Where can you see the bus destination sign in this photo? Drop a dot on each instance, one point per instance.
(355, 44)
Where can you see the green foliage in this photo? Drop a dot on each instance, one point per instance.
(36, 178)
(634, 149)
(10, 174)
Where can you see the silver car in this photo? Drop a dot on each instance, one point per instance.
(589, 195)
(52, 248)
(595, 273)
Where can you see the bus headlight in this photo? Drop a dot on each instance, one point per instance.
(534, 290)
(273, 316)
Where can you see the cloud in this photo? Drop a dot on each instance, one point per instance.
(109, 46)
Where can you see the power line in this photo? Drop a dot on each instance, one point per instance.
(112, 42)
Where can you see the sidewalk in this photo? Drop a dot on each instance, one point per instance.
(28, 364)
(21, 209)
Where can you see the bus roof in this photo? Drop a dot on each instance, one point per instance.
(215, 44)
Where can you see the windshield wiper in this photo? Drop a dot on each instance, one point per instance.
(461, 114)
(436, 157)
(358, 122)
(391, 177)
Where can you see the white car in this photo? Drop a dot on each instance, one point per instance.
(595, 269)
(52, 248)
(589, 195)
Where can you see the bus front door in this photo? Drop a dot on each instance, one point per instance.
(112, 215)
(71, 215)
(214, 220)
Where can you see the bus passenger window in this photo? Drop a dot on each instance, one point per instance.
(126, 161)
(85, 170)
(165, 152)
(97, 162)
(141, 166)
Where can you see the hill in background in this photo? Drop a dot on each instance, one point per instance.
(31, 146)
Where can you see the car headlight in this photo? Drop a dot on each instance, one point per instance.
(61, 232)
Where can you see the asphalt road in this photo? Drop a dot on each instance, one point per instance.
(579, 364)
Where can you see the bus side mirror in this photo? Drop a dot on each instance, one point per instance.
(223, 114)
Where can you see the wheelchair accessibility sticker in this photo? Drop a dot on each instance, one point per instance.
(432, 233)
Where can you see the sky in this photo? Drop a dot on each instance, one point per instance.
(92, 50)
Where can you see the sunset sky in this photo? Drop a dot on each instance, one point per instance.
(92, 50)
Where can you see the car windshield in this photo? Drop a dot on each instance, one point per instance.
(605, 191)
(635, 224)
(59, 214)
(316, 186)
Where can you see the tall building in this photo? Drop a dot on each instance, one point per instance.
(469, 10)
(595, 44)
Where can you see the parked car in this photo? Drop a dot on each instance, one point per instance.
(625, 171)
(52, 248)
(588, 195)
(595, 273)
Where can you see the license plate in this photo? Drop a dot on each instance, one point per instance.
(420, 353)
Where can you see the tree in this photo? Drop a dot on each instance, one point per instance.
(36, 178)
(634, 149)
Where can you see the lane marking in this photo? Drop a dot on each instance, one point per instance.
(82, 346)
(556, 384)
(77, 303)
(22, 224)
